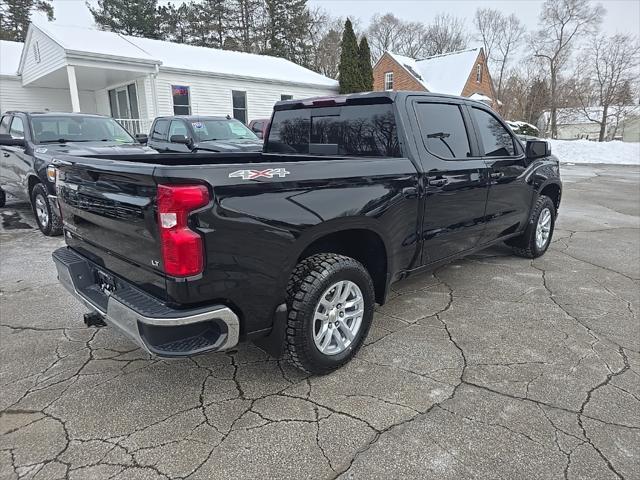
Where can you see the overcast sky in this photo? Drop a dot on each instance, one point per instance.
(622, 15)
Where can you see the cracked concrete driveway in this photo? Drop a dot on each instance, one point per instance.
(492, 367)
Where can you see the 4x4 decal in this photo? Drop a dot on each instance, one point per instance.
(253, 174)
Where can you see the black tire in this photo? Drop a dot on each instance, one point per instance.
(3, 198)
(525, 245)
(309, 280)
(39, 199)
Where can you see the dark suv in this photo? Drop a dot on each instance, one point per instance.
(185, 134)
(29, 142)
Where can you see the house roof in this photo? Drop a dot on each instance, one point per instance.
(10, 57)
(447, 73)
(183, 57)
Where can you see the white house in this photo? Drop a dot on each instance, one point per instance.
(575, 123)
(133, 79)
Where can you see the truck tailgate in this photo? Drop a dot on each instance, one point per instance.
(110, 217)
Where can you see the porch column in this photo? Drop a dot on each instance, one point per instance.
(73, 88)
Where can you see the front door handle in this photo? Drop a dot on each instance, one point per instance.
(496, 175)
(5, 154)
(438, 182)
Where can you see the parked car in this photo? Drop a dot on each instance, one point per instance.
(260, 126)
(292, 247)
(186, 134)
(29, 141)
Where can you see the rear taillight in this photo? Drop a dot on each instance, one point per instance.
(182, 251)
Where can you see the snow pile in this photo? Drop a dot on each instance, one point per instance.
(584, 151)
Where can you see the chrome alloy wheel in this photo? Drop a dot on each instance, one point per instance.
(543, 229)
(338, 317)
(41, 210)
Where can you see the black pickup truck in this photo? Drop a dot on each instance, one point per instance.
(292, 247)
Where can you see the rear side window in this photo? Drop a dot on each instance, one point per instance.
(160, 130)
(496, 140)
(442, 129)
(4, 124)
(354, 130)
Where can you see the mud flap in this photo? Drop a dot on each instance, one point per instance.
(273, 343)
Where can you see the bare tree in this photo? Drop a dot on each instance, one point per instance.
(489, 23)
(500, 37)
(384, 34)
(445, 34)
(608, 65)
(562, 22)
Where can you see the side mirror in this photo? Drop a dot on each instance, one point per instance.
(537, 149)
(7, 140)
(181, 139)
(142, 138)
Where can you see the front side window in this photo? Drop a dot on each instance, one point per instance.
(354, 130)
(496, 140)
(178, 128)
(443, 130)
(181, 99)
(17, 128)
(4, 125)
(76, 128)
(239, 105)
(388, 81)
(160, 130)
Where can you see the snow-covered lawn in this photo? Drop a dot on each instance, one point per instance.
(584, 151)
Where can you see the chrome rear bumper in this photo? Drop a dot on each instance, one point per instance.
(160, 330)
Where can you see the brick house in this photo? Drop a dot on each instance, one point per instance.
(463, 73)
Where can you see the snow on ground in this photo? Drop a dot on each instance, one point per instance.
(585, 151)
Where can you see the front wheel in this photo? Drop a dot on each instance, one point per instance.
(536, 238)
(330, 302)
(47, 216)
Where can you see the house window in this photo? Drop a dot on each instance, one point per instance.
(181, 100)
(124, 102)
(239, 105)
(388, 81)
(286, 97)
(479, 73)
(36, 52)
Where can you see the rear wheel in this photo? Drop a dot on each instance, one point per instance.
(47, 216)
(330, 302)
(536, 238)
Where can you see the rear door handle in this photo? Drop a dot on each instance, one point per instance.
(496, 175)
(438, 182)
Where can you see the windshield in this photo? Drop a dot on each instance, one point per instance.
(207, 130)
(52, 129)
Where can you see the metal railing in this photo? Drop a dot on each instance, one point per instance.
(135, 125)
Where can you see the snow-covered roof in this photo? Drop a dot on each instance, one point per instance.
(480, 97)
(190, 58)
(447, 73)
(10, 57)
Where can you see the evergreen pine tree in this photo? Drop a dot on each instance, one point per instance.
(15, 16)
(349, 69)
(366, 70)
(130, 17)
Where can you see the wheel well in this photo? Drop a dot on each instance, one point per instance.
(553, 192)
(365, 246)
(33, 181)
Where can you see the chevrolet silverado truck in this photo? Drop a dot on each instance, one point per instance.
(292, 247)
